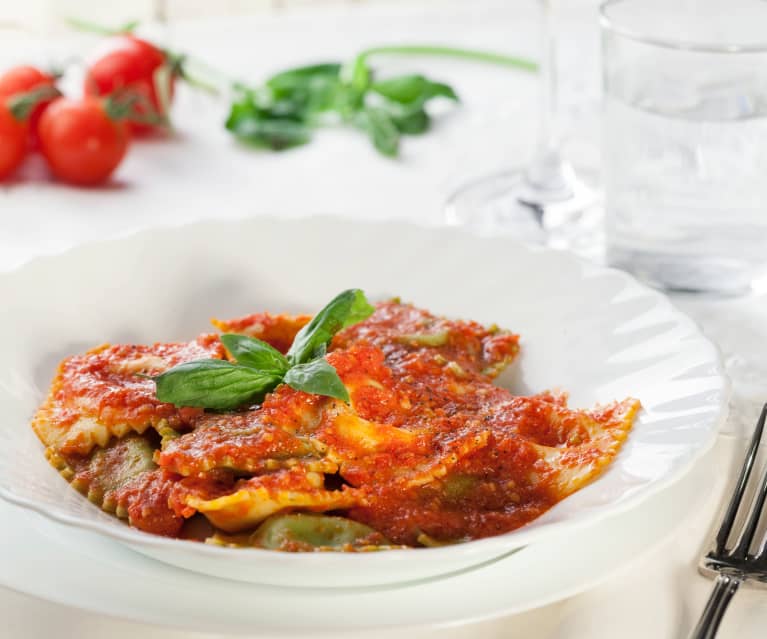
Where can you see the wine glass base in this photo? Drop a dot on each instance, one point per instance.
(507, 203)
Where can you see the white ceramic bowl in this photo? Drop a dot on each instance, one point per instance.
(594, 332)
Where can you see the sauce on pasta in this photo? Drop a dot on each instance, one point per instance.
(428, 451)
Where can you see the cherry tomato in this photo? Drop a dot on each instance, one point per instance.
(130, 64)
(23, 79)
(13, 140)
(80, 141)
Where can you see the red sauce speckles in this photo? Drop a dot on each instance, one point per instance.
(104, 384)
(277, 330)
(208, 486)
(146, 500)
(400, 330)
(239, 442)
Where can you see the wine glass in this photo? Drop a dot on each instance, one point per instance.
(546, 202)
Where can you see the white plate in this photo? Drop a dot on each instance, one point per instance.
(595, 332)
(88, 571)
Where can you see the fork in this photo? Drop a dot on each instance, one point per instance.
(735, 564)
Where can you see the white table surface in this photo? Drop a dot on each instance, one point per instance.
(202, 174)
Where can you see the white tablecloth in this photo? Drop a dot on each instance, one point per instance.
(202, 174)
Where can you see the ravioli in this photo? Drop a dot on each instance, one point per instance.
(243, 443)
(491, 479)
(277, 330)
(428, 451)
(252, 500)
(104, 471)
(106, 393)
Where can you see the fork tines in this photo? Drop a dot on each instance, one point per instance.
(738, 558)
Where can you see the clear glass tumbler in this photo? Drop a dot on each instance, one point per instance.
(685, 141)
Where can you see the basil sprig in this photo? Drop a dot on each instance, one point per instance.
(284, 112)
(259, 368)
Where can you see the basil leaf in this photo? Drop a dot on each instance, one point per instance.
(348, 102)
(214, 384)
(405, 89)
(381, 129)
(305, 91)
(304, 76)
(317, 377)
(345, 309)
(262, 128)
(442, 90)
(412, 89)
(355, 80)
(255, 353)
(360, 74)
(413, 122)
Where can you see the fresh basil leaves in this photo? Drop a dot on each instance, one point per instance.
(255, 353)
(213, 383)
(266, 128)
(345, 309)
(284, 112)
(259, 368)
(317, 377)
(412, 89)
(381, 129)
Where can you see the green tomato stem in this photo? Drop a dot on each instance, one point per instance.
(452, 52)
(22, 104)
(198, 74)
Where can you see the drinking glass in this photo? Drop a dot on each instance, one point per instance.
(685, 141)
(543, 201)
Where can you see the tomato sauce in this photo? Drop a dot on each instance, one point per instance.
(428, 450)
(110, 385)
(278, 330)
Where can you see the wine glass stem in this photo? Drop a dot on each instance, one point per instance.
(548, 172)
(160, 11)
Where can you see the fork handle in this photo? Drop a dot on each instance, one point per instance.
(708, 624)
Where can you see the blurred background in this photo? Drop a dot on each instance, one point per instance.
(44, 10)
(496, 125)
